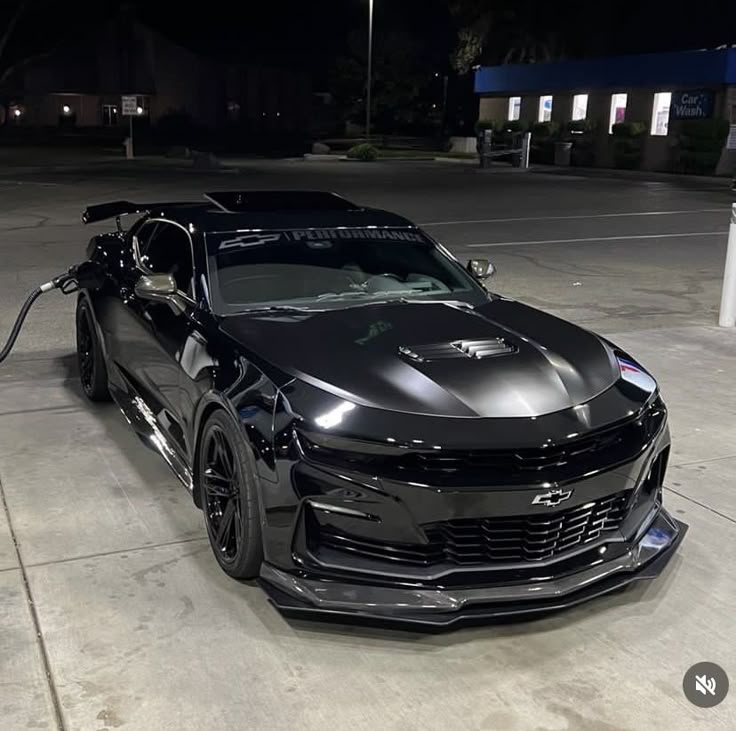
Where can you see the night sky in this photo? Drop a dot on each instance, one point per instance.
(313, 33)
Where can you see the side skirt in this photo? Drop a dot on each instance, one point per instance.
(139, 415)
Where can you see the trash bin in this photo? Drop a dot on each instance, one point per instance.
(562, 153)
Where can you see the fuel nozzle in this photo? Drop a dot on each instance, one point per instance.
(87, 275)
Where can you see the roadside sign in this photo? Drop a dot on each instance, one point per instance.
(130, 106)
(692, 105)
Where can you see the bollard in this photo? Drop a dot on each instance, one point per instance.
(727, 316)
(526, 146)
(486, 148)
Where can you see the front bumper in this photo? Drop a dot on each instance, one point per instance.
(302, 595)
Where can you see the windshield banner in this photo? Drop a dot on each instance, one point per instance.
(316, 237)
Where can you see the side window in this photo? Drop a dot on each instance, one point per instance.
(167, 250)
(143, 237)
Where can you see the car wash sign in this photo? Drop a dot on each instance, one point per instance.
(692, 105)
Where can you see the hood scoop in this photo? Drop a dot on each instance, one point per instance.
(474, 349)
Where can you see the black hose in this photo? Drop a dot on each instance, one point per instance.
(5, 352)
(88, 274)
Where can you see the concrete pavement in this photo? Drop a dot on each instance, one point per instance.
(140, 628)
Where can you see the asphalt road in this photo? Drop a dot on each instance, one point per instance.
(113, 614)
(612, 253)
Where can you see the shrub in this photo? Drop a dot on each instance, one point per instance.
(580, 133)
(515, 125)
(698, 163)
(700, 143)
(628, 139)
(705, 129)
(630, 130)
(176, 128)
(545, 130)
(580, 126)
(366, 152)
(483, 124)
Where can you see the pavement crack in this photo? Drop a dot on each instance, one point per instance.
(117, 552)
(702, 461)
(34, 617)
(702, 505)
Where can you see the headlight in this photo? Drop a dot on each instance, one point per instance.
(632, 372)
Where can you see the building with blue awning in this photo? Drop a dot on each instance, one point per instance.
(658, 91)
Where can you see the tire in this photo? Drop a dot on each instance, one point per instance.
(229, 493)
(91, 361)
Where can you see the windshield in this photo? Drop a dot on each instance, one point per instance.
(332, 268)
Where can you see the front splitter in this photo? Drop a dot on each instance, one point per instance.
(318, 598)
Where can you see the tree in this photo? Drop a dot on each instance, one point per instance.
(6, 35)
(12, 59)
(401, 81)
(474, 19)
(33, 29)
(505, 31)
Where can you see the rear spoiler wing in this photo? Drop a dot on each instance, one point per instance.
(103, 211)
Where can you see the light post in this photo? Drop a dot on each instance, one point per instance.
(370, 69)
(445, 80)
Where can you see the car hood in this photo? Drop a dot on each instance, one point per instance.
(385, 356)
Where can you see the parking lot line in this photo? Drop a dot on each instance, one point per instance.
(597, 238)
(520, 219)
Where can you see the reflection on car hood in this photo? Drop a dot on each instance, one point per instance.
(385, 356)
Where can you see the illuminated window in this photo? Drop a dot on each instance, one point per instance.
(545, 108)
(233, 111)
(109, 115)
(514, 108)
(618, 110)
(661, 113)
(579, 107)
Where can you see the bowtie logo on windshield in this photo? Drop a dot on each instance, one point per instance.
(552, 497)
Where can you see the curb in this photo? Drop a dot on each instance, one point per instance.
(642, 175)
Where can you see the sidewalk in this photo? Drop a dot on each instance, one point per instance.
(637, 175)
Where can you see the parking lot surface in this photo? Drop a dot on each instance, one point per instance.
(114, 614)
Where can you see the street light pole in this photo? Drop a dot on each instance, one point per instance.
(370, 70)
(445, 80)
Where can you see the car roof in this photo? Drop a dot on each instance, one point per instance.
(247, 210)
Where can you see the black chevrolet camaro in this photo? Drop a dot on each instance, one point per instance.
(366, 428)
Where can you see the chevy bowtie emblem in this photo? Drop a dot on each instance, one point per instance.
(552, 497)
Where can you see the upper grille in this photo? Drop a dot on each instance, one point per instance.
(562, 462)
(477, 541)
(458, 349)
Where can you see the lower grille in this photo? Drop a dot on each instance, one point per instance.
(528, 538)
(475, 541)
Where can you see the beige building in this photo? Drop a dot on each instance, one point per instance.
(81, 84)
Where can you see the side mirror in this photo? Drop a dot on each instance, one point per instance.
(481, 269)
(160, 288)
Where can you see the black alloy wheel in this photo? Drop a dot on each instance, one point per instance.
(91, 361)
(229, 497)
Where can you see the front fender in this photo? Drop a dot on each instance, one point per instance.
(250, 402)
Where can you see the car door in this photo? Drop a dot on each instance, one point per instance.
(154, 333)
